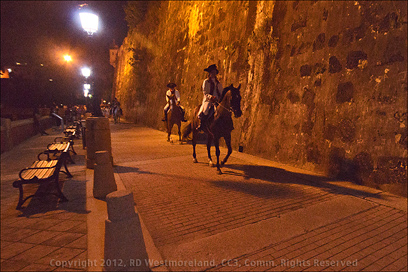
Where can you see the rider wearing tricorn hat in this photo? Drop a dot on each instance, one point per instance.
(212, 90)
(172, 91)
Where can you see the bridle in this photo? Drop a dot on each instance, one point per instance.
(228, 109)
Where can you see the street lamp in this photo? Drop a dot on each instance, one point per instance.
(87, 87)
(67, 58)
(86, 72)
(89, 23)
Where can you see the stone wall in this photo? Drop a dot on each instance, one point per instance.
(324, 83)
(16, 132)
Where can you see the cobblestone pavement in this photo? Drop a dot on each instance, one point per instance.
(373, 240)
(258, 215)
(45, 233)
(192, 213)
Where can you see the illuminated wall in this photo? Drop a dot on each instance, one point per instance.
(324, 83)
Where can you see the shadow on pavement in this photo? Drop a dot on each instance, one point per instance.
(278, 175)
(127, 169)
(45, 199)
(262, 190)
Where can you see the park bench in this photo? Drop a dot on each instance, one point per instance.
(41, 172)
(73, 131)
(58, 146)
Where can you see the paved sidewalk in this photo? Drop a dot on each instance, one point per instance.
(45, 234)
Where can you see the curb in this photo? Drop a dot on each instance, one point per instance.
(96, 228)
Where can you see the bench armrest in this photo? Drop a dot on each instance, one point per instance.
(44, 153)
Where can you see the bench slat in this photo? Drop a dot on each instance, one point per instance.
(45, 173)
(59, 147)
(37, 164)
(28, 174)
(40, 173)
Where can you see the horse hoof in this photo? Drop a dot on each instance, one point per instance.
(195, 160)
(223, 162)
(219, 172)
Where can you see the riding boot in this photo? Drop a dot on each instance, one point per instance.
(183, 119)
(164, 116)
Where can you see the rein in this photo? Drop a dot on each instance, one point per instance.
(230, 109)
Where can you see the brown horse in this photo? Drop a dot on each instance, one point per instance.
(219, 125)
(174, 116)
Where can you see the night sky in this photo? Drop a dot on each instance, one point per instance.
(39, 30)
(40, 33)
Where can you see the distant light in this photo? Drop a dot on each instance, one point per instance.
(18, 63)
(90, 95)
(87, 86)
(50, 80)
(86, 92)
(42, 64)
(9, 70)
(67, 58)
(89, 22)
(86, 72)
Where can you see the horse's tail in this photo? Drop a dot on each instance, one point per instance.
(187, 130)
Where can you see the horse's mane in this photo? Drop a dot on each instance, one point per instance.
(224, 92)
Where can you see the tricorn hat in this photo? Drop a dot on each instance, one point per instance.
(210, 68)
(171, 85)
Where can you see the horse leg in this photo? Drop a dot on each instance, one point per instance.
(169, 128)
(209, 142)
(228, 143)
(194, 142)
(217, 152)
(179, 131)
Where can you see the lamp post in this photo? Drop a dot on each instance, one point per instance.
(86, 72)
(89, 23)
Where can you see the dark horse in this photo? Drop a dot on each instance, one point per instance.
(174, 116)
(219, 125)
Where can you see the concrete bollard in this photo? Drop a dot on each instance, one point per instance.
(123, 235)
(104, 179)
(98, 138)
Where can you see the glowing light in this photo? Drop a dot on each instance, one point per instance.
(86, 92)
(67, 58)
(9, 70)
(87, 86)
(89, 22)
(50, 80)
(86, 72)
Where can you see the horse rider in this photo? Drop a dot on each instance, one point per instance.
(172, 91)
(212, 90)
(115, 103)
